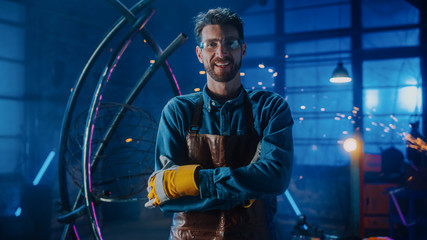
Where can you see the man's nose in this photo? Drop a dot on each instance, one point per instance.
(221, 50)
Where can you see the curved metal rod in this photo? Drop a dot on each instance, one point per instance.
(130, 16)
(93, 109)
(62, 175)
(67, 226)
(72, 216)
(134, 93)
(78, 86)
(74, 95)
(165, 65)
(87, 167)
(70, 109)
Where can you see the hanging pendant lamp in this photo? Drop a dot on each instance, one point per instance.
(340, 75)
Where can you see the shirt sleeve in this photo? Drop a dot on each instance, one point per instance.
(270, 175)
(171, 144)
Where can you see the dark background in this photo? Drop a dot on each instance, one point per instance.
(293, 47)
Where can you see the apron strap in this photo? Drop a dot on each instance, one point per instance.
(197, 114)
(249, 117)
(195, 120)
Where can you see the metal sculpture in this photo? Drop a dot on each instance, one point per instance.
(84, 202)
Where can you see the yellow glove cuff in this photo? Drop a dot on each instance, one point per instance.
(185, 180)
(169, 184)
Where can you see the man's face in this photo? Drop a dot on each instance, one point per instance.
(220, 55)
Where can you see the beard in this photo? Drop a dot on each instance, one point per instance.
(223, 76)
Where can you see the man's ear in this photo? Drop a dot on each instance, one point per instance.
(199, 54)
(243, 49)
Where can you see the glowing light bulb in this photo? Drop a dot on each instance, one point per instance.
(350, 144)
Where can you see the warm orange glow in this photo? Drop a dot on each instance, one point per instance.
(152, 61)
(71, 90)
(197, 89)
(261, 66)
(202, 72)
(416, 143)
(275, 74)
(242, 74)
(129, 140)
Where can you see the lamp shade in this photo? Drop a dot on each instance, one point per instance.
(340, 75)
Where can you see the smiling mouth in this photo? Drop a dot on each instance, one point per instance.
(222, 64)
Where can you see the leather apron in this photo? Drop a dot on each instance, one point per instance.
(214, 151)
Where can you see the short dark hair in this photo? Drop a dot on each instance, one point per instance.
(220, 16)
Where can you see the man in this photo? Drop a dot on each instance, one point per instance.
(224, 154)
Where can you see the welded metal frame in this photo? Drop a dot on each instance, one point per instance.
(129, 16)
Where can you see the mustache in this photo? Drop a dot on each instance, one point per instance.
(219, 59)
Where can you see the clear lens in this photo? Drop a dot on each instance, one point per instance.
(227, 44)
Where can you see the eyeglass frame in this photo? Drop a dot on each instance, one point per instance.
(239, 43)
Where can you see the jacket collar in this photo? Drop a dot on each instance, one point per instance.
(209, 102)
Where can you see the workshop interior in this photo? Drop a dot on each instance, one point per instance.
(83, 84)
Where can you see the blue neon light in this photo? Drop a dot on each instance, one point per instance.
(292, 202)
(18, 211)
(43, 168)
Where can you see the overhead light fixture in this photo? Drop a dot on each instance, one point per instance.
(340, 74)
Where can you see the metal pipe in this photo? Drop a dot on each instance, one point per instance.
(62, 174)
(86, 154)
(74, 95)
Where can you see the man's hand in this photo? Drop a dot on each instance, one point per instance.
(172, 183)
